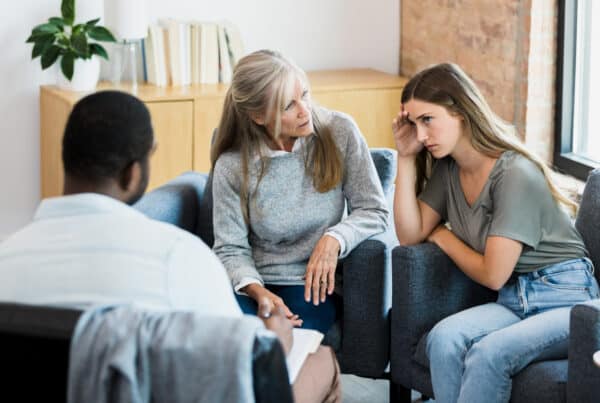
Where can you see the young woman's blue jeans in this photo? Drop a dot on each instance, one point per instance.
(473, 354)
(319, 317)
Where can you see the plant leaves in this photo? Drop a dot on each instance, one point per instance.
(67, 8)
(80, 43)
(57, 21)
(77, 29)
(101, 34)
(34, 38)
(42, 46)
(91, 23)
(50, 56)
(47, 28)
(66, 65)
(64, 41)
(99, 50)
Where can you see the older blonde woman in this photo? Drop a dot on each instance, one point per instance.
(284, 173)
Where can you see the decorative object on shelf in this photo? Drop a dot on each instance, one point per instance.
(128, 20)
(60, 38)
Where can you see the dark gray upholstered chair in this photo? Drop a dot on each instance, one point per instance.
(363, 337)
(427, 287)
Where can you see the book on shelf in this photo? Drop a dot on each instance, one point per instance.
(306, 341)
(195, 40)
(179, 49)
(225, 69)
(209, 53)
(182, 53)
(235, 45)
(155, 59)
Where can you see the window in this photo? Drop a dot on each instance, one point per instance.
(577, 145)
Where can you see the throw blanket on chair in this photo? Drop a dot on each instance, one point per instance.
(122, 354)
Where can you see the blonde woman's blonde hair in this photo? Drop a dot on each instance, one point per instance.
(262, 85)
(449, 86)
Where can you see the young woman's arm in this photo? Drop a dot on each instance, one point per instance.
(492, 269)
(413, 219)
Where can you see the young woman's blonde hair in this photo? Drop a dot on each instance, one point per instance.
(449, 86)
(262, 85)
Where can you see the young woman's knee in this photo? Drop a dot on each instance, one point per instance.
(446, 339)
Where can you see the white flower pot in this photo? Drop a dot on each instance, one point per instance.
(85, 75)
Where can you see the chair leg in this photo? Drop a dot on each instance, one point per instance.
(398, 393)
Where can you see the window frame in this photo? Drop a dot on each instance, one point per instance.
(565, 159)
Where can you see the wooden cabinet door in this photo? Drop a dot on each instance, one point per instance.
(208, 114)
(173, 133)
(372, 109)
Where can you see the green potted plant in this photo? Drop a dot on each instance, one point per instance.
(74, 44)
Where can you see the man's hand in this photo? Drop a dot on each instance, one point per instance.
(276, 321)
(320, 271)
(267, 301)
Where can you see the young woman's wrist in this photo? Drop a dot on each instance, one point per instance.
(406, 159)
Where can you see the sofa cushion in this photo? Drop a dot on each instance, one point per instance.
(544, 381)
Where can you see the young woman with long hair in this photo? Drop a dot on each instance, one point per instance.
(467, 184)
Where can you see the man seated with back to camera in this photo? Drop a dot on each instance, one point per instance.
(90, 246)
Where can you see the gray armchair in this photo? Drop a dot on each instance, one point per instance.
(427, 287)
(362, 337)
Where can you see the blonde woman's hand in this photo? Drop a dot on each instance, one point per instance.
(405, 135)
(320, 271)
(268, 302)
(276, 321)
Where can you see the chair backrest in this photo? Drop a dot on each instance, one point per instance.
(588, 218)
(34, 346)
(176, 202)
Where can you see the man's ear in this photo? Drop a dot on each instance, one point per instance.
(131, 177)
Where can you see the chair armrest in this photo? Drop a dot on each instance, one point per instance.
(367, 301)
(426, 287)
(583, 383)
(269, 372)
(176, 202)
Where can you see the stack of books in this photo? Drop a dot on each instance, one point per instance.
(183, 53)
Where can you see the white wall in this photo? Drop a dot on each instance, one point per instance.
(317, 34)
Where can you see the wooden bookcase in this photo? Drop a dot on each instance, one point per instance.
(184, 118)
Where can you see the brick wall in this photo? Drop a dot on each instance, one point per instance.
(506, 46)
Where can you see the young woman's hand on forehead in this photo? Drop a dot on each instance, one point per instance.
(405, 135)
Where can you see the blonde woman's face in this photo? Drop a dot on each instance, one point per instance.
(436, 128)
(296, 117)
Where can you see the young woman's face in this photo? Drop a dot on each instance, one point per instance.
(296, 118)
(436, 128)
